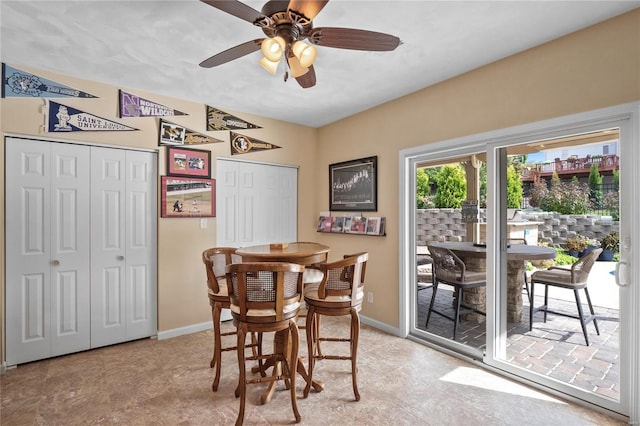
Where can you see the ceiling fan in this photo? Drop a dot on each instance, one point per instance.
(286, 23)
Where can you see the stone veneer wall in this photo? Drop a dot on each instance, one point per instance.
(446, 225)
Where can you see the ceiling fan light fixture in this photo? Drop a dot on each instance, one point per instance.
(305, 53)
(272, 48)
(296, 68)
(270, 66)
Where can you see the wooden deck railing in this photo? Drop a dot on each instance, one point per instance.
(571, 166)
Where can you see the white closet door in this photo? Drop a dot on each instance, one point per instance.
(47, 249)
(227, 203)
(140, 244)
(123, 246)
(108, 246)
(255, 203)
(70, 289)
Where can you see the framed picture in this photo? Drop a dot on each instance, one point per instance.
(188, 197)
(353, 185)
(186, 162)
(171, 134)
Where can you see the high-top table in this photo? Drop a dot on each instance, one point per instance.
(302, 253)
(474, 257)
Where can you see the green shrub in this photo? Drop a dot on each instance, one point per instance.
(562, 258)
(595, 186)
(562, 197)
(452, 187)
(514, 188)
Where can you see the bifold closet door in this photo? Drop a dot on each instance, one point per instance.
(123, 245)
(47, 249)
(257, 203)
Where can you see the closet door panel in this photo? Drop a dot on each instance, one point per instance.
(141, 211)
(70, 313)
(47, 234)
(108, 250)
(28, 255)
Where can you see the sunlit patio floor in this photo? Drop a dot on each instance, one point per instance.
(556, 348)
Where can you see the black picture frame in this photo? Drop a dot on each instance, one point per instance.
(353, 185)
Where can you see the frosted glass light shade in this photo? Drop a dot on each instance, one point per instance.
(272, 48)
(268, 65)
(306, 54)
(296, 69)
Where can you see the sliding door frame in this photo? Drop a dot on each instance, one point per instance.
(627, 118)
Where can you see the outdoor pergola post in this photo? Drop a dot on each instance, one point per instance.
(472, 171)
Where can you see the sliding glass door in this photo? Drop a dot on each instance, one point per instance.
(533, 195)
(563, 324)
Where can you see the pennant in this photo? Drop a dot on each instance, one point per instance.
(63, 119)
(220, 120)
(21, 84)
(173, 134)
(241, 144)
(135, 106)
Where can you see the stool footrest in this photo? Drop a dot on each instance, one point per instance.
(334, 339)
(334, 357)
(234, 348)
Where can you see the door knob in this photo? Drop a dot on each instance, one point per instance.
(120, 257)
(55, 262)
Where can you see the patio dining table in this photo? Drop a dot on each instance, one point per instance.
(474, 256)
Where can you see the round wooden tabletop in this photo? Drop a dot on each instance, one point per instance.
(296, 252)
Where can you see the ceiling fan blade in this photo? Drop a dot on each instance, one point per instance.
(308, 8)
(233, 53)
(236, 8)
(307, 79)
(350, 38)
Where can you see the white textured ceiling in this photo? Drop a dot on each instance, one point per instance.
(156, 46)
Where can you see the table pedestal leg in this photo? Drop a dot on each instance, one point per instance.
(281, 346)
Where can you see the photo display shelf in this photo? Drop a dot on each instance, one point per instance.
(360, 225)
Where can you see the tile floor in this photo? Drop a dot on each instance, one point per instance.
(168, 382)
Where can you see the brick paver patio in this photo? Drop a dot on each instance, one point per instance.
(556, 348)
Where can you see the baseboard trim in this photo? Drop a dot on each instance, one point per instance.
(194, 328)
(380, 325)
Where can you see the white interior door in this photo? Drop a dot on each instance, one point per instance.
(256, 203)
(108, 247)
(123, 265)
(47, 238)
(140, 258)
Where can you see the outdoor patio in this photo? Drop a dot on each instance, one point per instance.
(556, 348)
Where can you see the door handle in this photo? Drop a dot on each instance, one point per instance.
(120, 257)
(619, 282)
(55, 262)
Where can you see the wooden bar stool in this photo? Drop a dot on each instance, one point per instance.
(215, 260)
(266, 297)
(340, 293)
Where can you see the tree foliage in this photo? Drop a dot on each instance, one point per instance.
(595, 185)
(514, 188)
(422, 189)
(452, 187)
(562, 197)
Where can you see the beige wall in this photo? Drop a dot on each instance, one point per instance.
(593, 68)
(182, 297)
